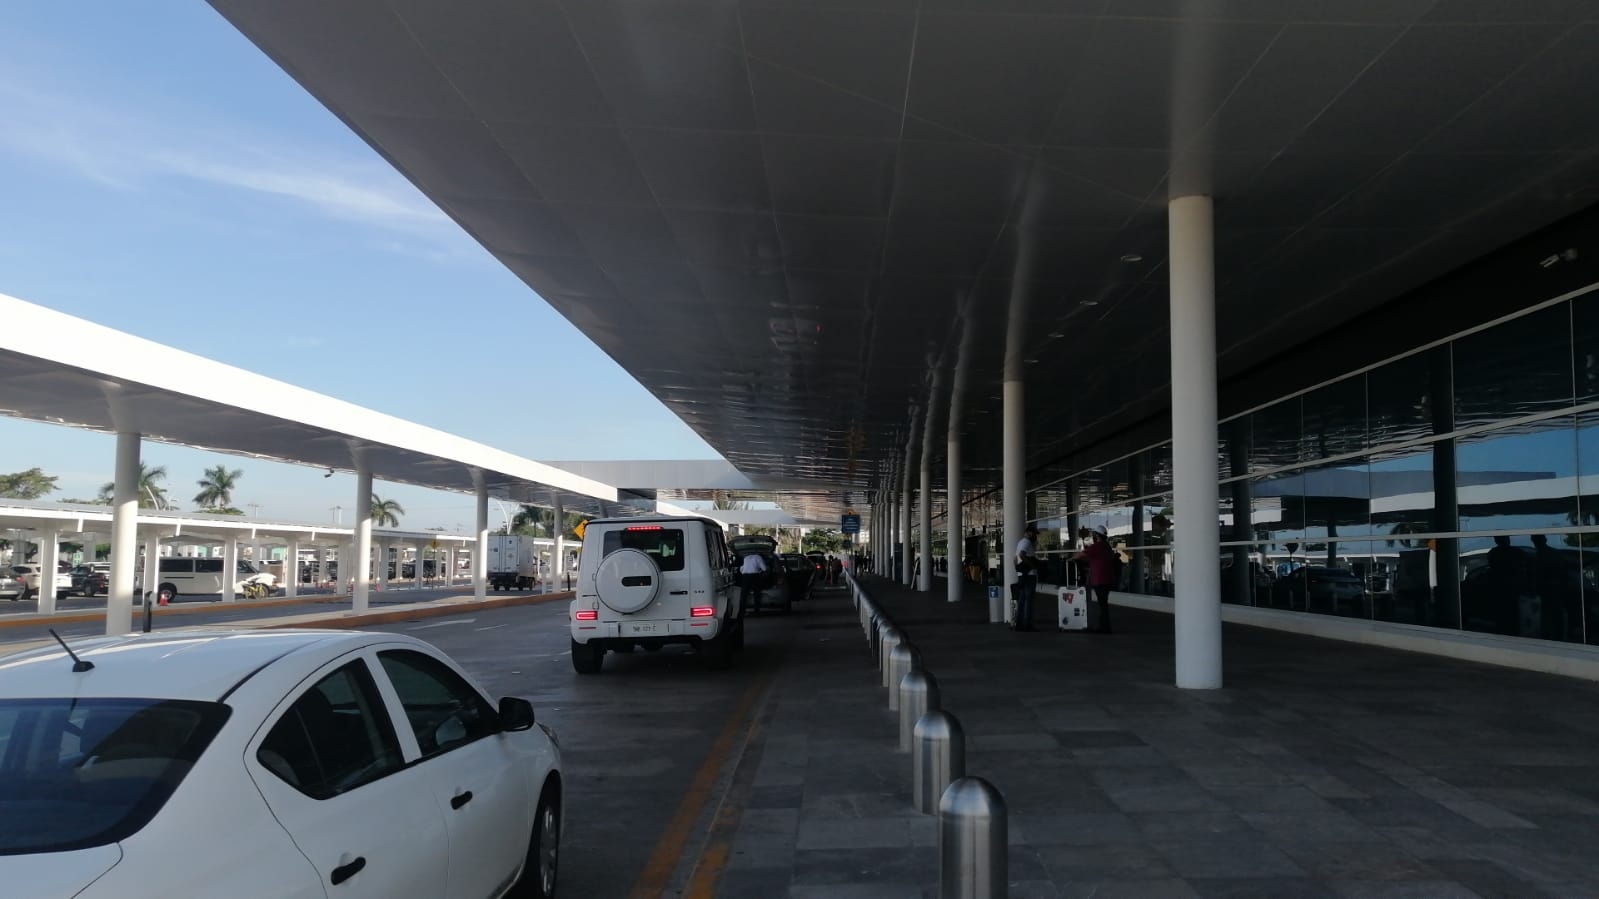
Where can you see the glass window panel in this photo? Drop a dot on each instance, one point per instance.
(1588, 470)
(1518, 478)
(1334, 418)
(1092, 492)
(1405, 589)
(1155, 470)
(1589, 545)
(1517, 368)
(1246, 578)
(1522, 586)
(1585, 346)
(1233, 454)
(1117, 487)
(1401, 492)
(1337, 500)
(1275, 436)
(1155, 573)
(1277, 507)
(1398, 400)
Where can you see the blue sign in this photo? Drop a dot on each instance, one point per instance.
(852, 524)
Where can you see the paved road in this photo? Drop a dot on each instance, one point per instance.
(649, 744)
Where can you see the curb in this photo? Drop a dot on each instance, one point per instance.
(389, 616)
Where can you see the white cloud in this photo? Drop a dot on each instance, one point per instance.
(128, 149)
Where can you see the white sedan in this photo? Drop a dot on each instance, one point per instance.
(269, 763)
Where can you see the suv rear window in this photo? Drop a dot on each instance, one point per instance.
(78, 772)
(665, 545)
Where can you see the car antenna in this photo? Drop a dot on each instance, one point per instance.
(78, 665)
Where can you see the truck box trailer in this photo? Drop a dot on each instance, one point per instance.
(513, 562)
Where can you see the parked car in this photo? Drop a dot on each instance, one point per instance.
(774, 592)
(1315, 588)
(13, 586)
(256, 764)
(801, 574)
(63, 580)
(651, 582)
(91, 583)
(184, 575)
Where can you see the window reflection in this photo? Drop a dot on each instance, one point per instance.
(1335, 418)
(1515, 368)
(1585, 346)
(1275, 436)
(1337, 500)
(1398, 400)
(1401, 492)
(1277, 507)
(1522, 586)
(1518, 478)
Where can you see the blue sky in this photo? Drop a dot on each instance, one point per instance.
(163, 177)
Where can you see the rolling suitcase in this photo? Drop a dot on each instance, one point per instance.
(1072, 611)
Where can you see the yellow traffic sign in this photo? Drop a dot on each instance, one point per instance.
(578, 531)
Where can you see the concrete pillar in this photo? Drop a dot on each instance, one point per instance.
(291, 568)
(1014, 479)
(1196, 532)
(954, 522)
(924, 579)
(907, 497)
(380, 567)
(152, 567)
(230, 568)
(356, 567)
(558, 551)
(480, 552)
(49, 561)
(449, 568)
(124, 535)
(322, 562)
(891, 551)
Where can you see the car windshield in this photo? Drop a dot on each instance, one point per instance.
(77, 772)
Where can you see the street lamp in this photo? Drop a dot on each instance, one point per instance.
(338, 515)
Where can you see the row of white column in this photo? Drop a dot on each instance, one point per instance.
(1197, 605)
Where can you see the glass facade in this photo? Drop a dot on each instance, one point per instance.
(1456, 486)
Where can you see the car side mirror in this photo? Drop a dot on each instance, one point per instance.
(516, 714)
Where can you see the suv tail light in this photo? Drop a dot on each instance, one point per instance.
(702, 612)
(587, 615)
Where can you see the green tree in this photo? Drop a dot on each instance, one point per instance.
(722, 501)
(824, 540)
(386, 512)
(30, 484)
(151, 494)
(216, 488)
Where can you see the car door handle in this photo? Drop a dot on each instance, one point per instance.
(460, 799)
(345, 872)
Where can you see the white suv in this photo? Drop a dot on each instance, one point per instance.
(653, 581)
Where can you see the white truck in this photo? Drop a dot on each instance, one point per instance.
(513, 562)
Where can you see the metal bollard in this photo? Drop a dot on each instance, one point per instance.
(902, 659)
(971, 841)
(938, 758)
(876, 639)
(918, 695)
(888, 640)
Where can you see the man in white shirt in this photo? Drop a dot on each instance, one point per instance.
(1026, 579)
(752, 577)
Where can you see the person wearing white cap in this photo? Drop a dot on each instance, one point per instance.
(1026, 579)
(1101, 574)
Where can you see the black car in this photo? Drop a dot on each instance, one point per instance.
(801, 574)
(774, 588)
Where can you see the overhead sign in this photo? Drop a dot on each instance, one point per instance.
(852, 524)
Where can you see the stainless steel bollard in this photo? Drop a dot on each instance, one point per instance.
(971, 841)
(938, 758)
(918, 695)
(901, 660)
(888, 637)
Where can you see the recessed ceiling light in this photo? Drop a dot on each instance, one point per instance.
(1057, 334)
(1090, 302)
(1132, 257)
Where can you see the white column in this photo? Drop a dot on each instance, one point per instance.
(907, 566)
(356, 567)
(924, 579)
(230, 568)
(558, 562)
(1197, 530)
(322, 553)
(480, 552)
(124, 535)
(49, 561)
(449, 570)
(152, 568)
(380, 567)
(291, 568)
(1015, 478)
(954, 525)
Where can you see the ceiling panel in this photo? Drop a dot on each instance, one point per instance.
(841, 203)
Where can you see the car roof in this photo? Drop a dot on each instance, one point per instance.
(653, 519)
(199, 664)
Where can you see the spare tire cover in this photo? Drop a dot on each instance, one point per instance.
(627, 580)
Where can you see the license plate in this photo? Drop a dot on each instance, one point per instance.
(645, 627)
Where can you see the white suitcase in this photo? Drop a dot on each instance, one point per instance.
(1072, 612)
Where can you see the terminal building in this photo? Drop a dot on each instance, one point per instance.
(1296, 298)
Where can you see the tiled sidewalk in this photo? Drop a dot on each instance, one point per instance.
(1323, 768)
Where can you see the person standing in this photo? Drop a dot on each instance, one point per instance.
(1026, 578)
(1101, 574)
(751, 574)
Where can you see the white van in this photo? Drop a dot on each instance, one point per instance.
(649, 582)
(183, 575)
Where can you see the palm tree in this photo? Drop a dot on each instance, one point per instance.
(216, 488)
(386, 512)
(151, 494)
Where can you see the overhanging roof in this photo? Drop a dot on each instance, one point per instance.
(65, 370)
(197, 527)
(794, 221)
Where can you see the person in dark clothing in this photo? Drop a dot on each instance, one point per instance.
(1101, 574)
(1026, 578)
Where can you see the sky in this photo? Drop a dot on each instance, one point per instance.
(161, 176)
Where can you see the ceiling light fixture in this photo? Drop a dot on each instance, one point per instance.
(1132, 257)
(1090, 302)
